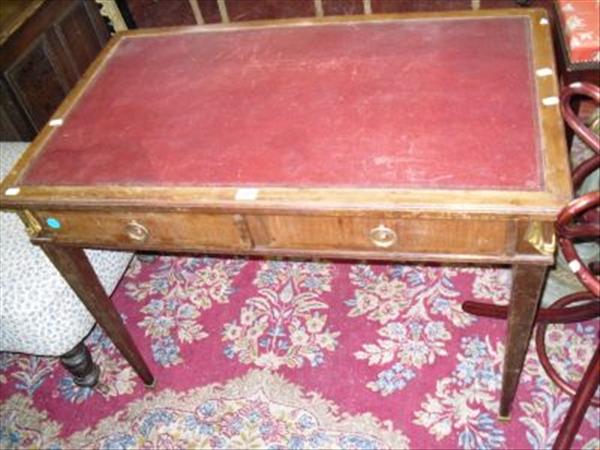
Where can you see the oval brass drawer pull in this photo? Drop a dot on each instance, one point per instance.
(136, 231)
(382, 236)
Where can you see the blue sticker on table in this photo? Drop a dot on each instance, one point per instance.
(53, 223)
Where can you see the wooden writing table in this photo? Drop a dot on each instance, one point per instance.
(432, 137)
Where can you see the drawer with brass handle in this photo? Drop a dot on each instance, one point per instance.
(172, 230)
(382, 236)
(266, 233)
(372, 234)
(136, 231)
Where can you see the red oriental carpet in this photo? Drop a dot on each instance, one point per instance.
(252, 353)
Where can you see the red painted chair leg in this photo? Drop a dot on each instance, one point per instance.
(580, 404)
(485, 310)
(571, 314)
(562, 304)
(559, 312)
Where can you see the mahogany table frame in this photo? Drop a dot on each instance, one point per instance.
(496, 227)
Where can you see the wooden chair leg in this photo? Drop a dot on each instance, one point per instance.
(77, 271)
(581, 402)
(78, 362)
(569, 314)
(560, 312)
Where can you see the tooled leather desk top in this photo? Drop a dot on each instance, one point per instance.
(441, 103)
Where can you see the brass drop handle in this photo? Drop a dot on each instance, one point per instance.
(382, 236)
(136, 231)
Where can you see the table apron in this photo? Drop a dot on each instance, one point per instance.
(373, 236)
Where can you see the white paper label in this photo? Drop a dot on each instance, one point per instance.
(544, 21)
(575, 266)
(544, 72)
(12, 191)
(56, 122)
(246, 194)
(550, 101)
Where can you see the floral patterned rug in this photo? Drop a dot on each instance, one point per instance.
(253, 353)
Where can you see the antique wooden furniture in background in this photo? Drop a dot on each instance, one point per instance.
(578, 40)
(338, 137)
(578, 223)
(160, 13)
(45, 47)
(111, 11)
(39, 313)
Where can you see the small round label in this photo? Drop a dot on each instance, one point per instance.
(53, 223)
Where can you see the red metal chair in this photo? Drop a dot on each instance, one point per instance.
(579, 221)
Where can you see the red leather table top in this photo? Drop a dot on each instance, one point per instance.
(421, 104)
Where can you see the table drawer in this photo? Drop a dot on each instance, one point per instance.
(171, 230)
(350, 233)
(231, 232)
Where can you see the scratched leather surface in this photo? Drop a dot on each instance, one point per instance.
(438, 104)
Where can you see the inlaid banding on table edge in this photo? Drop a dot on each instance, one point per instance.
(425, 203)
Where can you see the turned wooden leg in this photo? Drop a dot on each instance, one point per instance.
(77, 271)
(79, 363)
(528, 281)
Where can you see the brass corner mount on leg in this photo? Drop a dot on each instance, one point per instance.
(32, 226)
(541, 237)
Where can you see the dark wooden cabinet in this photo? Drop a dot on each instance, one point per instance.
(46, 47)
(160, 13)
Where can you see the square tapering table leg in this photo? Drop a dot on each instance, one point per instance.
(528, 281)
(77, 271)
